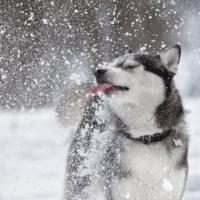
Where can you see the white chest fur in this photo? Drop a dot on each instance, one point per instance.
(153, 174)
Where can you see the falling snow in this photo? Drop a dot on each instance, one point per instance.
(167, 185)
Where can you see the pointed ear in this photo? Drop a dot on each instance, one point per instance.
(170, 58)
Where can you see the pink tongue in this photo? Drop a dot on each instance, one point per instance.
(96, 89)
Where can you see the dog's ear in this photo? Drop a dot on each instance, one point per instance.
(170, 58)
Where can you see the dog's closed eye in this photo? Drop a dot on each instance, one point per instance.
(131, 67)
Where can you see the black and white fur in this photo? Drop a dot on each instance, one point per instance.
(102, 163)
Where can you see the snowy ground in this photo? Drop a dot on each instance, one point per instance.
(33, 151)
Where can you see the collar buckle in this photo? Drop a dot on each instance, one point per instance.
(146, 139)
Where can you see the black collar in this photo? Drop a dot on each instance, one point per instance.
(147, 139)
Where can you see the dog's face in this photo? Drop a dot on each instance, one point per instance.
(138, 78)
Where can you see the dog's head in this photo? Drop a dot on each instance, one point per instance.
(135, 77)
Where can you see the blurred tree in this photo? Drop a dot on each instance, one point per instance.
(106, 29)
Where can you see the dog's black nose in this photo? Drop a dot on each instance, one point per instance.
(100, 72)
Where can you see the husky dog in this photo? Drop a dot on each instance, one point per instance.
(131, 142)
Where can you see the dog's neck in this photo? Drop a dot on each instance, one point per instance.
(139, 119)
